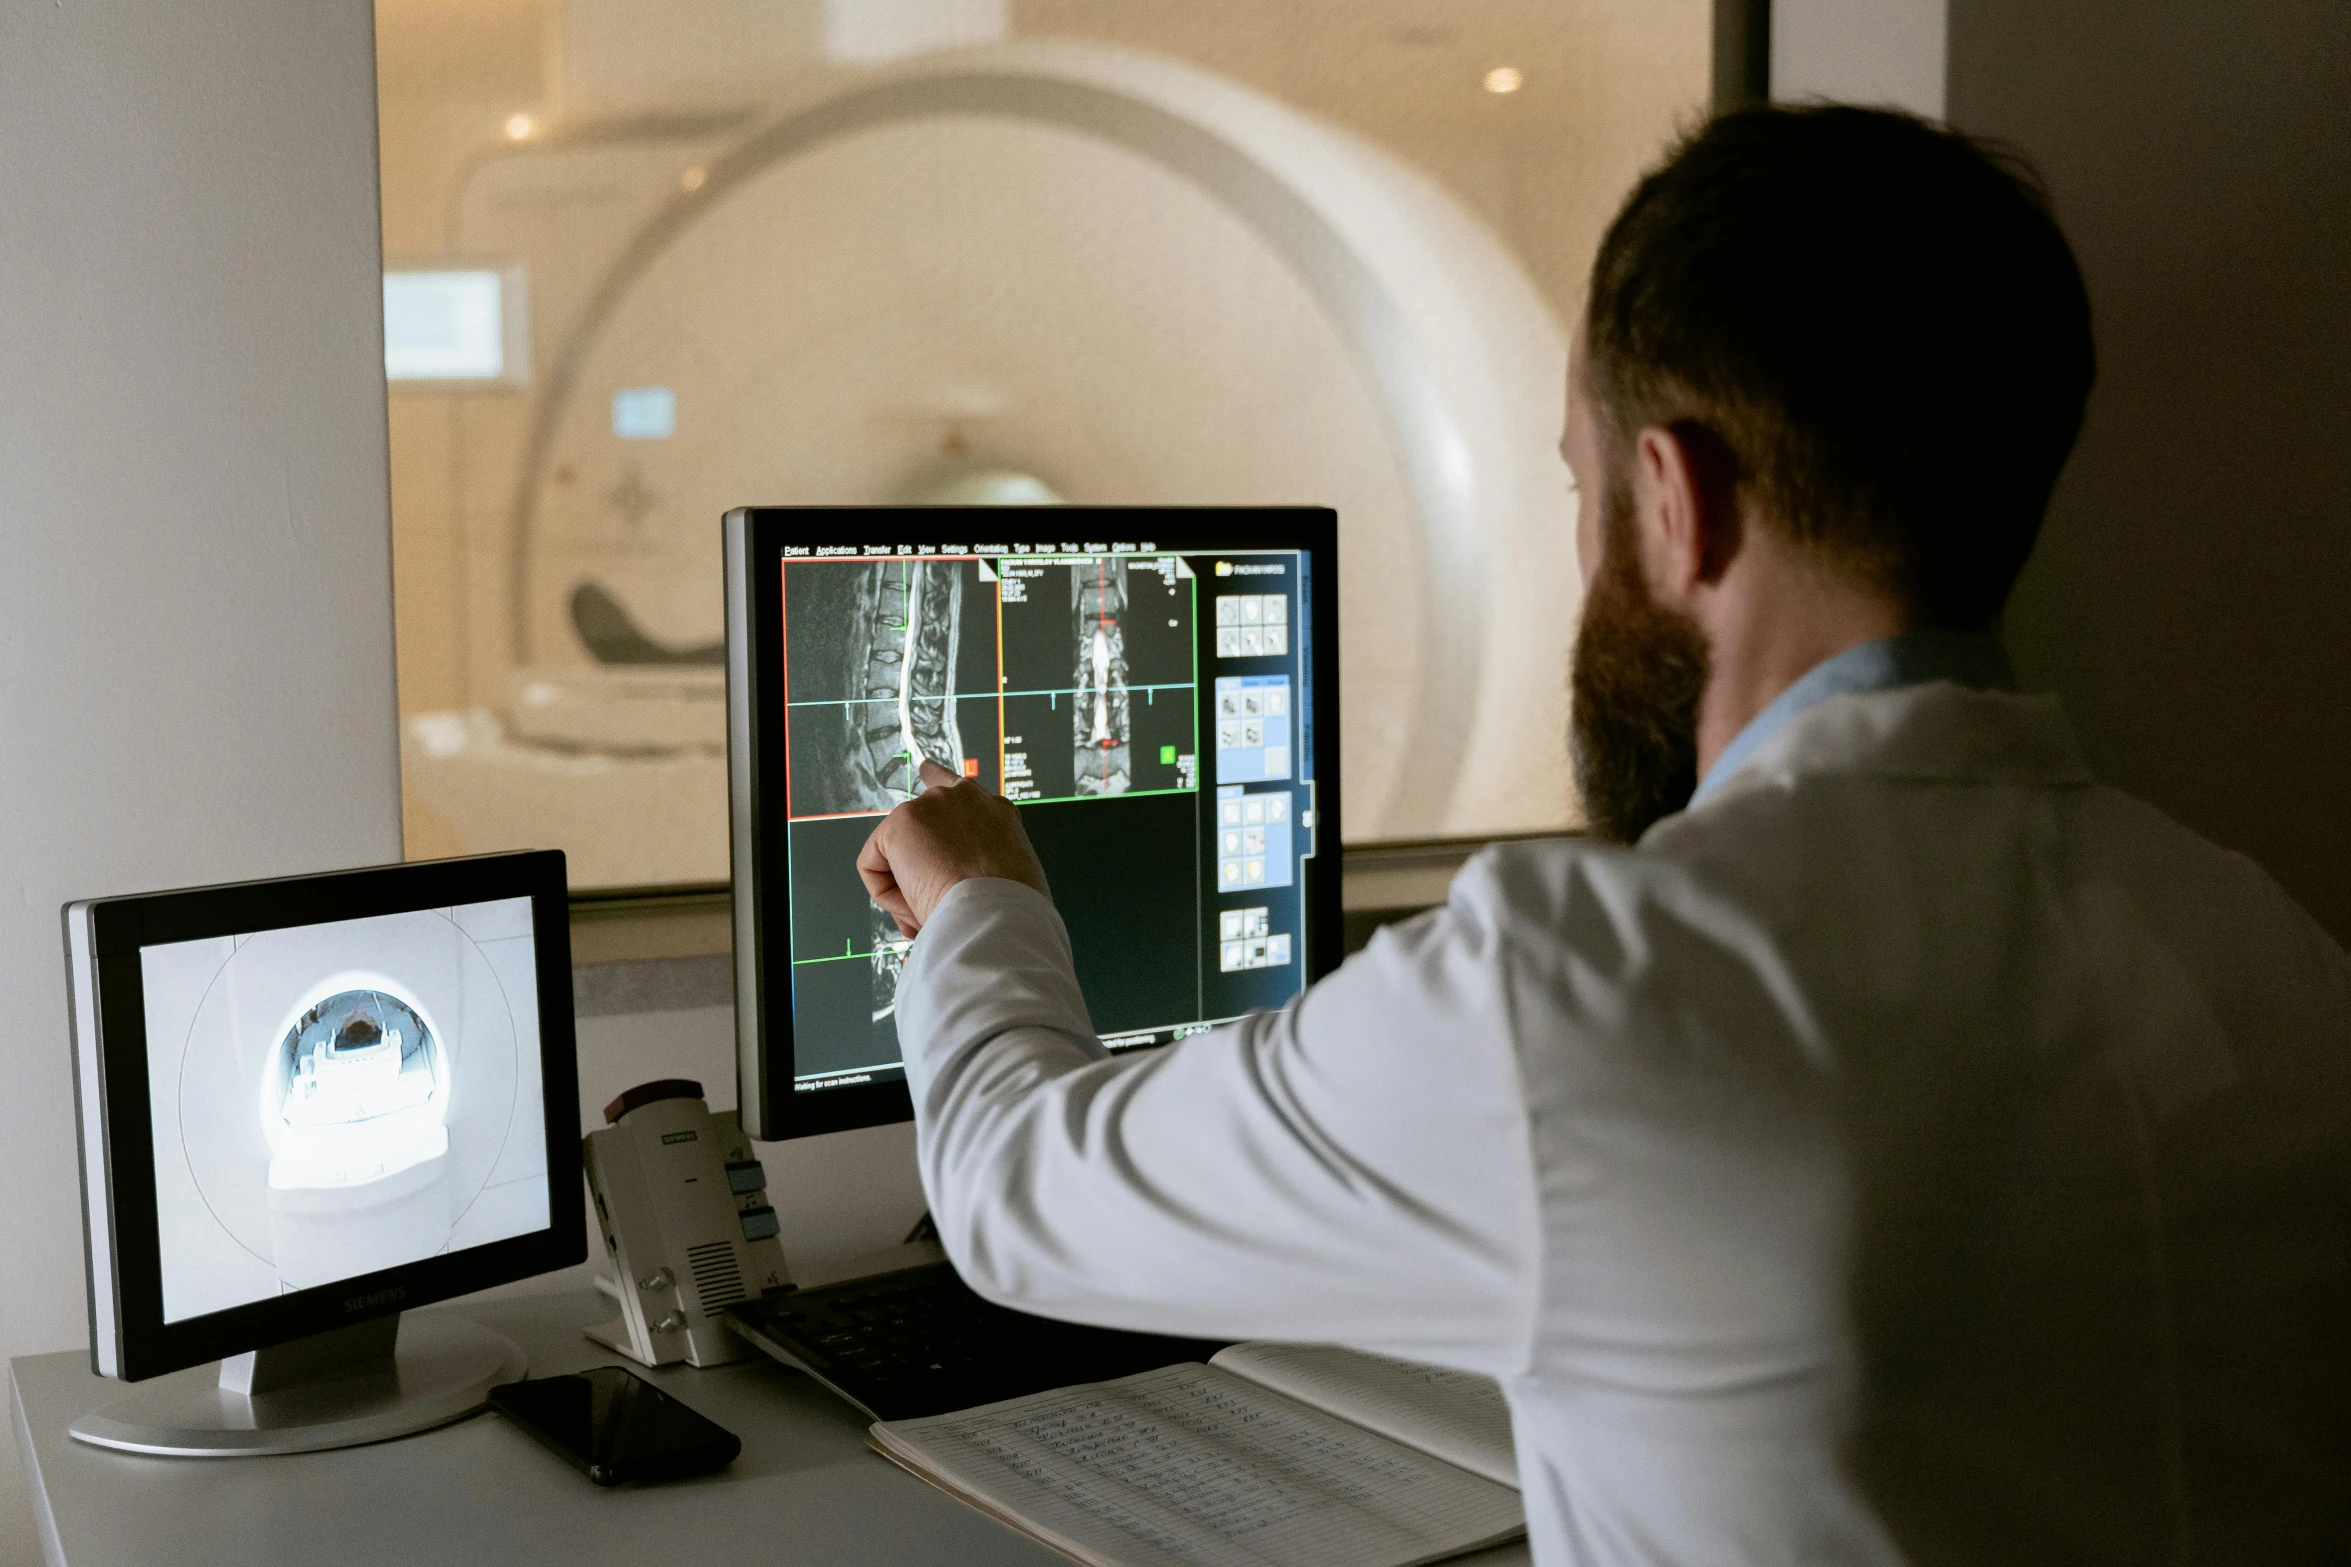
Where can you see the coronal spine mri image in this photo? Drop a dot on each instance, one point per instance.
(1097, 591)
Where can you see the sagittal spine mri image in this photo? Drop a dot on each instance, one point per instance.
(883, 657)
(1058, 679)
(876, 654)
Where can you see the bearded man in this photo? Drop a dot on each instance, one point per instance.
(1876, 1141)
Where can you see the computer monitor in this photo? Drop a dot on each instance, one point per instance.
(305, 1106)
(1155, 687)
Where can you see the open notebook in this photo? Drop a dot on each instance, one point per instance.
(1302, 1455)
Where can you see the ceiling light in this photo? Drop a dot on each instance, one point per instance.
(520, 126)
(1505, 78)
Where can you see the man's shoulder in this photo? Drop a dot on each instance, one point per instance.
(1531, 874)
(2217, 909)
(1814, 848)
(1870, 849)
(1547, 897)
(1935, 732)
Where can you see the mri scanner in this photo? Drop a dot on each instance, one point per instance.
(1016, 273)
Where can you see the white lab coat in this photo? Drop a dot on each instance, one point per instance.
(1914, 1151)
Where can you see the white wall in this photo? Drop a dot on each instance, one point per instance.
(1860, 51)
(195, 577)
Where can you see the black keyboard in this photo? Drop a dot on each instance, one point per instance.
(902, 1345)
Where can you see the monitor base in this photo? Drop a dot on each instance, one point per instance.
(367, 1383)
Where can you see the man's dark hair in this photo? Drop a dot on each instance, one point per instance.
(1880, 320)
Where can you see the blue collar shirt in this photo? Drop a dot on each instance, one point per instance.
(1913, 658)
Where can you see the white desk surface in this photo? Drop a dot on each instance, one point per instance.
(806, 1489)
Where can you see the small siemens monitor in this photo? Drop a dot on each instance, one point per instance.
(306, 1106)
(1156, 688)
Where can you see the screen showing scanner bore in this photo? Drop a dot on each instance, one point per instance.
(329, 1100)
(1147, 710)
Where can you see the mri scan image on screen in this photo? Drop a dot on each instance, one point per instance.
(330, 1100)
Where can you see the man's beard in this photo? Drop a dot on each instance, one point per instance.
(1639, 672)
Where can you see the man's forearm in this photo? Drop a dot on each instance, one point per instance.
(994, 958)
(989, 1012)
(1351, 1168)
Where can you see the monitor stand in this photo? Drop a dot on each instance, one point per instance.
(364, 1383)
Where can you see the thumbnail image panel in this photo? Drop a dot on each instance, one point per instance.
(882, 661)
(1254, 719)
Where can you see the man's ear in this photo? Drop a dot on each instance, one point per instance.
(1686, 496)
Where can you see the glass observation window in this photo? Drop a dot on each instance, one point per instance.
(653, 260)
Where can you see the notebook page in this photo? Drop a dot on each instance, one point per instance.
(1190, 1466)
(1457, 1415)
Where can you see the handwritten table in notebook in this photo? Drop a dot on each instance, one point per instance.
(806, 1489)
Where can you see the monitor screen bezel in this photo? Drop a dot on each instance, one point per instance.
(755, 541)
(117, 929)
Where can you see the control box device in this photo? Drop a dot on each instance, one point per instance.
(682, 1204)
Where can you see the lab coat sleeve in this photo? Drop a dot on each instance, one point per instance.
(1352, 1169)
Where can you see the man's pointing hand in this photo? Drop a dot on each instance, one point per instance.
(952, 831)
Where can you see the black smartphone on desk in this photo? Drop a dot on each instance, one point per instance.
(615, 1427)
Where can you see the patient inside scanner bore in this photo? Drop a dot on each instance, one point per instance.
(355, 1092)
(355, 1105)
